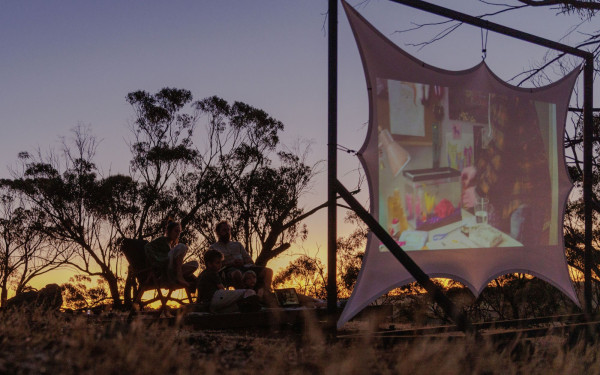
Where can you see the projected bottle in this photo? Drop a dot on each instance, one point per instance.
(396, 218)
(481, 211)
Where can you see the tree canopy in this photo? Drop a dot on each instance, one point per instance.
(236, 170)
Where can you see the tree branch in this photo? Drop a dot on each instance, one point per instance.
(588, 5)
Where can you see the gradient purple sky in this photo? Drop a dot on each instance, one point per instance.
(69, 62)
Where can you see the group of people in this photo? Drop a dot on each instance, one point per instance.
(226, 262)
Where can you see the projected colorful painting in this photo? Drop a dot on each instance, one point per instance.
(465, 172)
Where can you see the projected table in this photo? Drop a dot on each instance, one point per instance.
(452, 236)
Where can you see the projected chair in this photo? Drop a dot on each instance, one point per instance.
(148, 278)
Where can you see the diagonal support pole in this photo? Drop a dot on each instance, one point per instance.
(436, 293)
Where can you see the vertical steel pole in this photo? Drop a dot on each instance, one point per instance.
(332, 160)
(588, 130)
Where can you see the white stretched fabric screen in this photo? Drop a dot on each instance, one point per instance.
(465, 171)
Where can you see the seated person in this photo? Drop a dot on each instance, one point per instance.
(512, 173)
(249, 280)
(211, 290)
(166, 255)
(237, 260)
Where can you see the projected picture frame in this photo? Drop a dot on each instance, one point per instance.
(410, 98)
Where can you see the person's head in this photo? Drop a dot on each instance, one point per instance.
(173, 230)
(249, 279)
(223, 231)
(213, 259)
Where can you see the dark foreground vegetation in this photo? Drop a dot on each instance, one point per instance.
(59, 343)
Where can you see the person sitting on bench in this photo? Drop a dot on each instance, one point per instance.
(211, 290)
(237, 260)
(166, 254)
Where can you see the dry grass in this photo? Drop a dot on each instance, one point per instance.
(61, 344)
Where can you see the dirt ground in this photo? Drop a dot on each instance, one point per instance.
(59, 343)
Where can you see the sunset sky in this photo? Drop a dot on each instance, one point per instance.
(72, 62)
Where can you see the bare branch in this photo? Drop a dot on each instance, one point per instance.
(567, 4)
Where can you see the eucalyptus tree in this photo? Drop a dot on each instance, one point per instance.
(25, 253)
(244, 175)
(161, 149)
(239, 171)
(62, 188)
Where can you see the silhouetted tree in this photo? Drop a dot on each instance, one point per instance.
(240, 173)
(161, 149)
(25, 253)
(80, 293)
(62, 189)
(308, 274)
(241, 176)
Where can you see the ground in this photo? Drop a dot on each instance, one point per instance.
(59, 343)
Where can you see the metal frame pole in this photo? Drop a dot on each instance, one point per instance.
(332, 161)
(475, 21)
(588, 130)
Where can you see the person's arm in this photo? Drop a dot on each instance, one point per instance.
(228, 262)
(468, 184)
(227, 259)
(217, 280)
(247, 259)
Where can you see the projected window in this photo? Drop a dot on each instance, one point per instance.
(463, 169)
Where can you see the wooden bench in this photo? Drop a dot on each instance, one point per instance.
(148, 278)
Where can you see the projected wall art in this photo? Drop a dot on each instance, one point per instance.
(465, 172)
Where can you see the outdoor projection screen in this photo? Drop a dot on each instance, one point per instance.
(465, 171)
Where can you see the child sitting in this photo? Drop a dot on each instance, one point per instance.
(211, 289)
(249, 282)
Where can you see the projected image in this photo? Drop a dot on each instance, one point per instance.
(407, 113)
(465, 169)
(468, 105)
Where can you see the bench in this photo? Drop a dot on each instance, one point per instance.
(147, 278)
